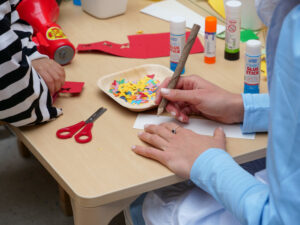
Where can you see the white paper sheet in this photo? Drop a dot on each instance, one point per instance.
(200, 126)
(167, 9)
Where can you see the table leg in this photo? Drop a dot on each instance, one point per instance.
(100, 215)
(23, 150)
(64, 201)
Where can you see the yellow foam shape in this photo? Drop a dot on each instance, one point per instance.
(218, 6)
(263, 67)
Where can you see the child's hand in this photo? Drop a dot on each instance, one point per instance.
(52, 73)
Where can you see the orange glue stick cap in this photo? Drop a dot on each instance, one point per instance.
(210, 24)
(210, 39)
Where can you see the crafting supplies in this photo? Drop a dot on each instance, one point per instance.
(233, 25)
(252, 66)
(135, 92)
(247, 35)
(249, 18)
(166, 9)
(48, 35)
(85, 135)
(180, 66)
(200, 126)
(177, 40)
(210, 40)
(141, 46)
(218, 6)
(69, 87)
(104, 8)
(72, 87)
(263, 66)
(77, 2)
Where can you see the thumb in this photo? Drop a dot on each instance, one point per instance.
(176, 95)
(219, 133)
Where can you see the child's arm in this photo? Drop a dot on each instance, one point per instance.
(24, 96)
(24, 32)
(52, 73)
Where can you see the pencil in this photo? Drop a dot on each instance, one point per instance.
(182, 60)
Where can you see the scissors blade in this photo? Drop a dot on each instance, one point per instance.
(96, 115)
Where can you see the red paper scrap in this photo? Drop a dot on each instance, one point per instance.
(72, 87)
(151, 76)
(140, 46)
(69, 87)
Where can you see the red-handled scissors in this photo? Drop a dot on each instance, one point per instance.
(85, 135)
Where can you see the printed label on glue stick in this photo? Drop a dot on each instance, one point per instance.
(176, 46)
(232, 35)
(252, 74)
(210, 44)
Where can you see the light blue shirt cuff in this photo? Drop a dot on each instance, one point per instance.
(256, 113)
(218, 174)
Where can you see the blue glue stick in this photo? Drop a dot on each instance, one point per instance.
(252, 66)
(177, 40)
(77, 2)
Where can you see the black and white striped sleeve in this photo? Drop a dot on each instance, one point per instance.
(24, 96)
(24, 32)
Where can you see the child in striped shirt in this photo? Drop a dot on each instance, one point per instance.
(27, 78)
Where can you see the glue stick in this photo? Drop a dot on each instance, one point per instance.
(252, 66)
(177, 40)
(233, 25)
(77, 2)
(210, 39)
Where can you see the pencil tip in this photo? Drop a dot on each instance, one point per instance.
(159, 111)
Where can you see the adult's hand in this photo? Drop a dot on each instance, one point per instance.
(177, 151)
(194, 95)
(52, 73)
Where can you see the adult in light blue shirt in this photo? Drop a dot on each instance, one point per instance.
(246, 199)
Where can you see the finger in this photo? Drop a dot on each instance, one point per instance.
(58, 75)
(171, 126)
(153, 139)
(57, 81)
(159, 130)
(181, 104)
(172, 109)
(150, 152)
(49, 82)
(187, 110)
(175, 95)
(164, 84)
(183, 82)
(177, 113)
(181, 116)
(60, 70)
(219, 134)
(186, 83)
(61, 73)
(185, 114)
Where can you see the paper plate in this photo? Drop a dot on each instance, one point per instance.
(134, 74)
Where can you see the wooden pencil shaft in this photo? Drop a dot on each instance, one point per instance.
(182, 60)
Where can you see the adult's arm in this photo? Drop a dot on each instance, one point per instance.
(216, 172)
(256, 113)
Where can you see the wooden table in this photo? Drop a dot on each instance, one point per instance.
(104, 176)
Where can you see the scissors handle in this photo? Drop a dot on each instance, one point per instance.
(85, 135)
(68, 132)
